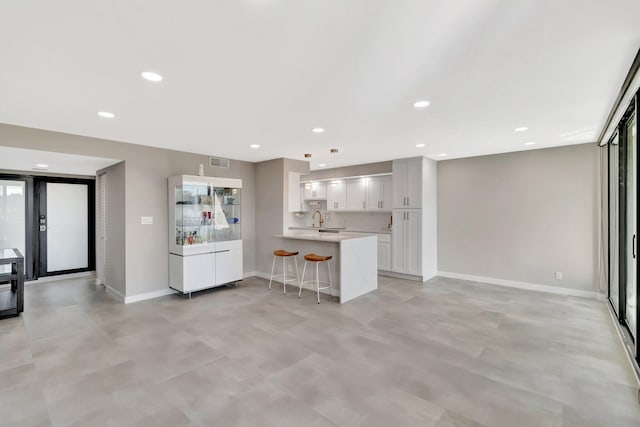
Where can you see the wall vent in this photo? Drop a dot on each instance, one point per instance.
(218, 162)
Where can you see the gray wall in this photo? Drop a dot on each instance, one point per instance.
(521, 216)
(269, 201)
(147, 169)
(272, 206)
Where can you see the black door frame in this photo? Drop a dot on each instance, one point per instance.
(40, 207)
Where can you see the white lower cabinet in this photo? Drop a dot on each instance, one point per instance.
(221, 264)
(228, 262)
(407, 237)
(384, 252)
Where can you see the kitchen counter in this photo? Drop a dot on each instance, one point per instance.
(354, 264)
(321, 237)
(341, 230)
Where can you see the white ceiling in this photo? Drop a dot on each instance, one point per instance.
(239, 72)
(19, 159)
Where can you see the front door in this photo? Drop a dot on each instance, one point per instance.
(65, 223)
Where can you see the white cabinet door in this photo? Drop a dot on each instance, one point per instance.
(303, 207)
(294, 192)
(407, 237)
(407, 183)
(384, 256)
(413, 239)
(374, 193)
(315, 191)
(356, 193)
(414, 183)
(198, 272)
(228, 257)
(379, 193)
(399, 178)
(336, 195)
(386, 193)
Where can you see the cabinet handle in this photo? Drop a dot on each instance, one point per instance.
(381, 205)
(633, 246)
(408, 202)
(219, 252)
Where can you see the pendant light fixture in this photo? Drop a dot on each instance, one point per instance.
(334, 153)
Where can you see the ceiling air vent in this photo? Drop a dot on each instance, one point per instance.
(217, 162)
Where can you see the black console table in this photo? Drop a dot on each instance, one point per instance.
(11, 283)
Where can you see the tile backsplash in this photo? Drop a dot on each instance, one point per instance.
(374, 221)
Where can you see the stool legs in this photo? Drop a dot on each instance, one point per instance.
(273, 266)
(284, 272)
(304, 270)
(317, 282)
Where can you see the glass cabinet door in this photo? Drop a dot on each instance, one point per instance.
(227, 212)
(194, 214)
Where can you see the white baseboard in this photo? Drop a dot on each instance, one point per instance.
(249, 274)
(114, 293)
(521, 285)
(149, 295)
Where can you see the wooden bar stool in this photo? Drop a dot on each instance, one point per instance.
(317, 259)
(284, 255)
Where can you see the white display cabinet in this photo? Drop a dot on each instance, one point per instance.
(205, 232)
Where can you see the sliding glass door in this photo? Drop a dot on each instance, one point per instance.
(13, 223)
(631, 226)
(623, 224)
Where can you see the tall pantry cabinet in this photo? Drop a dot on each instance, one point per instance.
(415, 218)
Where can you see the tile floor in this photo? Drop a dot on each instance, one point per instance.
(449, 353)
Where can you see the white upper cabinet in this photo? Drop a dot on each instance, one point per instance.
(356, 193)
(295, 204)
(407, 183)
(387, 192)
(315, 191)
(336, 195)
(379, 193)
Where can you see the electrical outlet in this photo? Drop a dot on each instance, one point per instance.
(558, 275)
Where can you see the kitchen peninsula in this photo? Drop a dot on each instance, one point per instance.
(354, 266)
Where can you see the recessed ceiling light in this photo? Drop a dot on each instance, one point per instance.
(151, 76)
(442, 154)
(421, 104)
(529, 143)
(322, 165)
(42, 165)
(255, 146)
(419, 145)
(521, 129)
(106, 114)
(317, 130)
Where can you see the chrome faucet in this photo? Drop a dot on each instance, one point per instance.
(313, 218)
